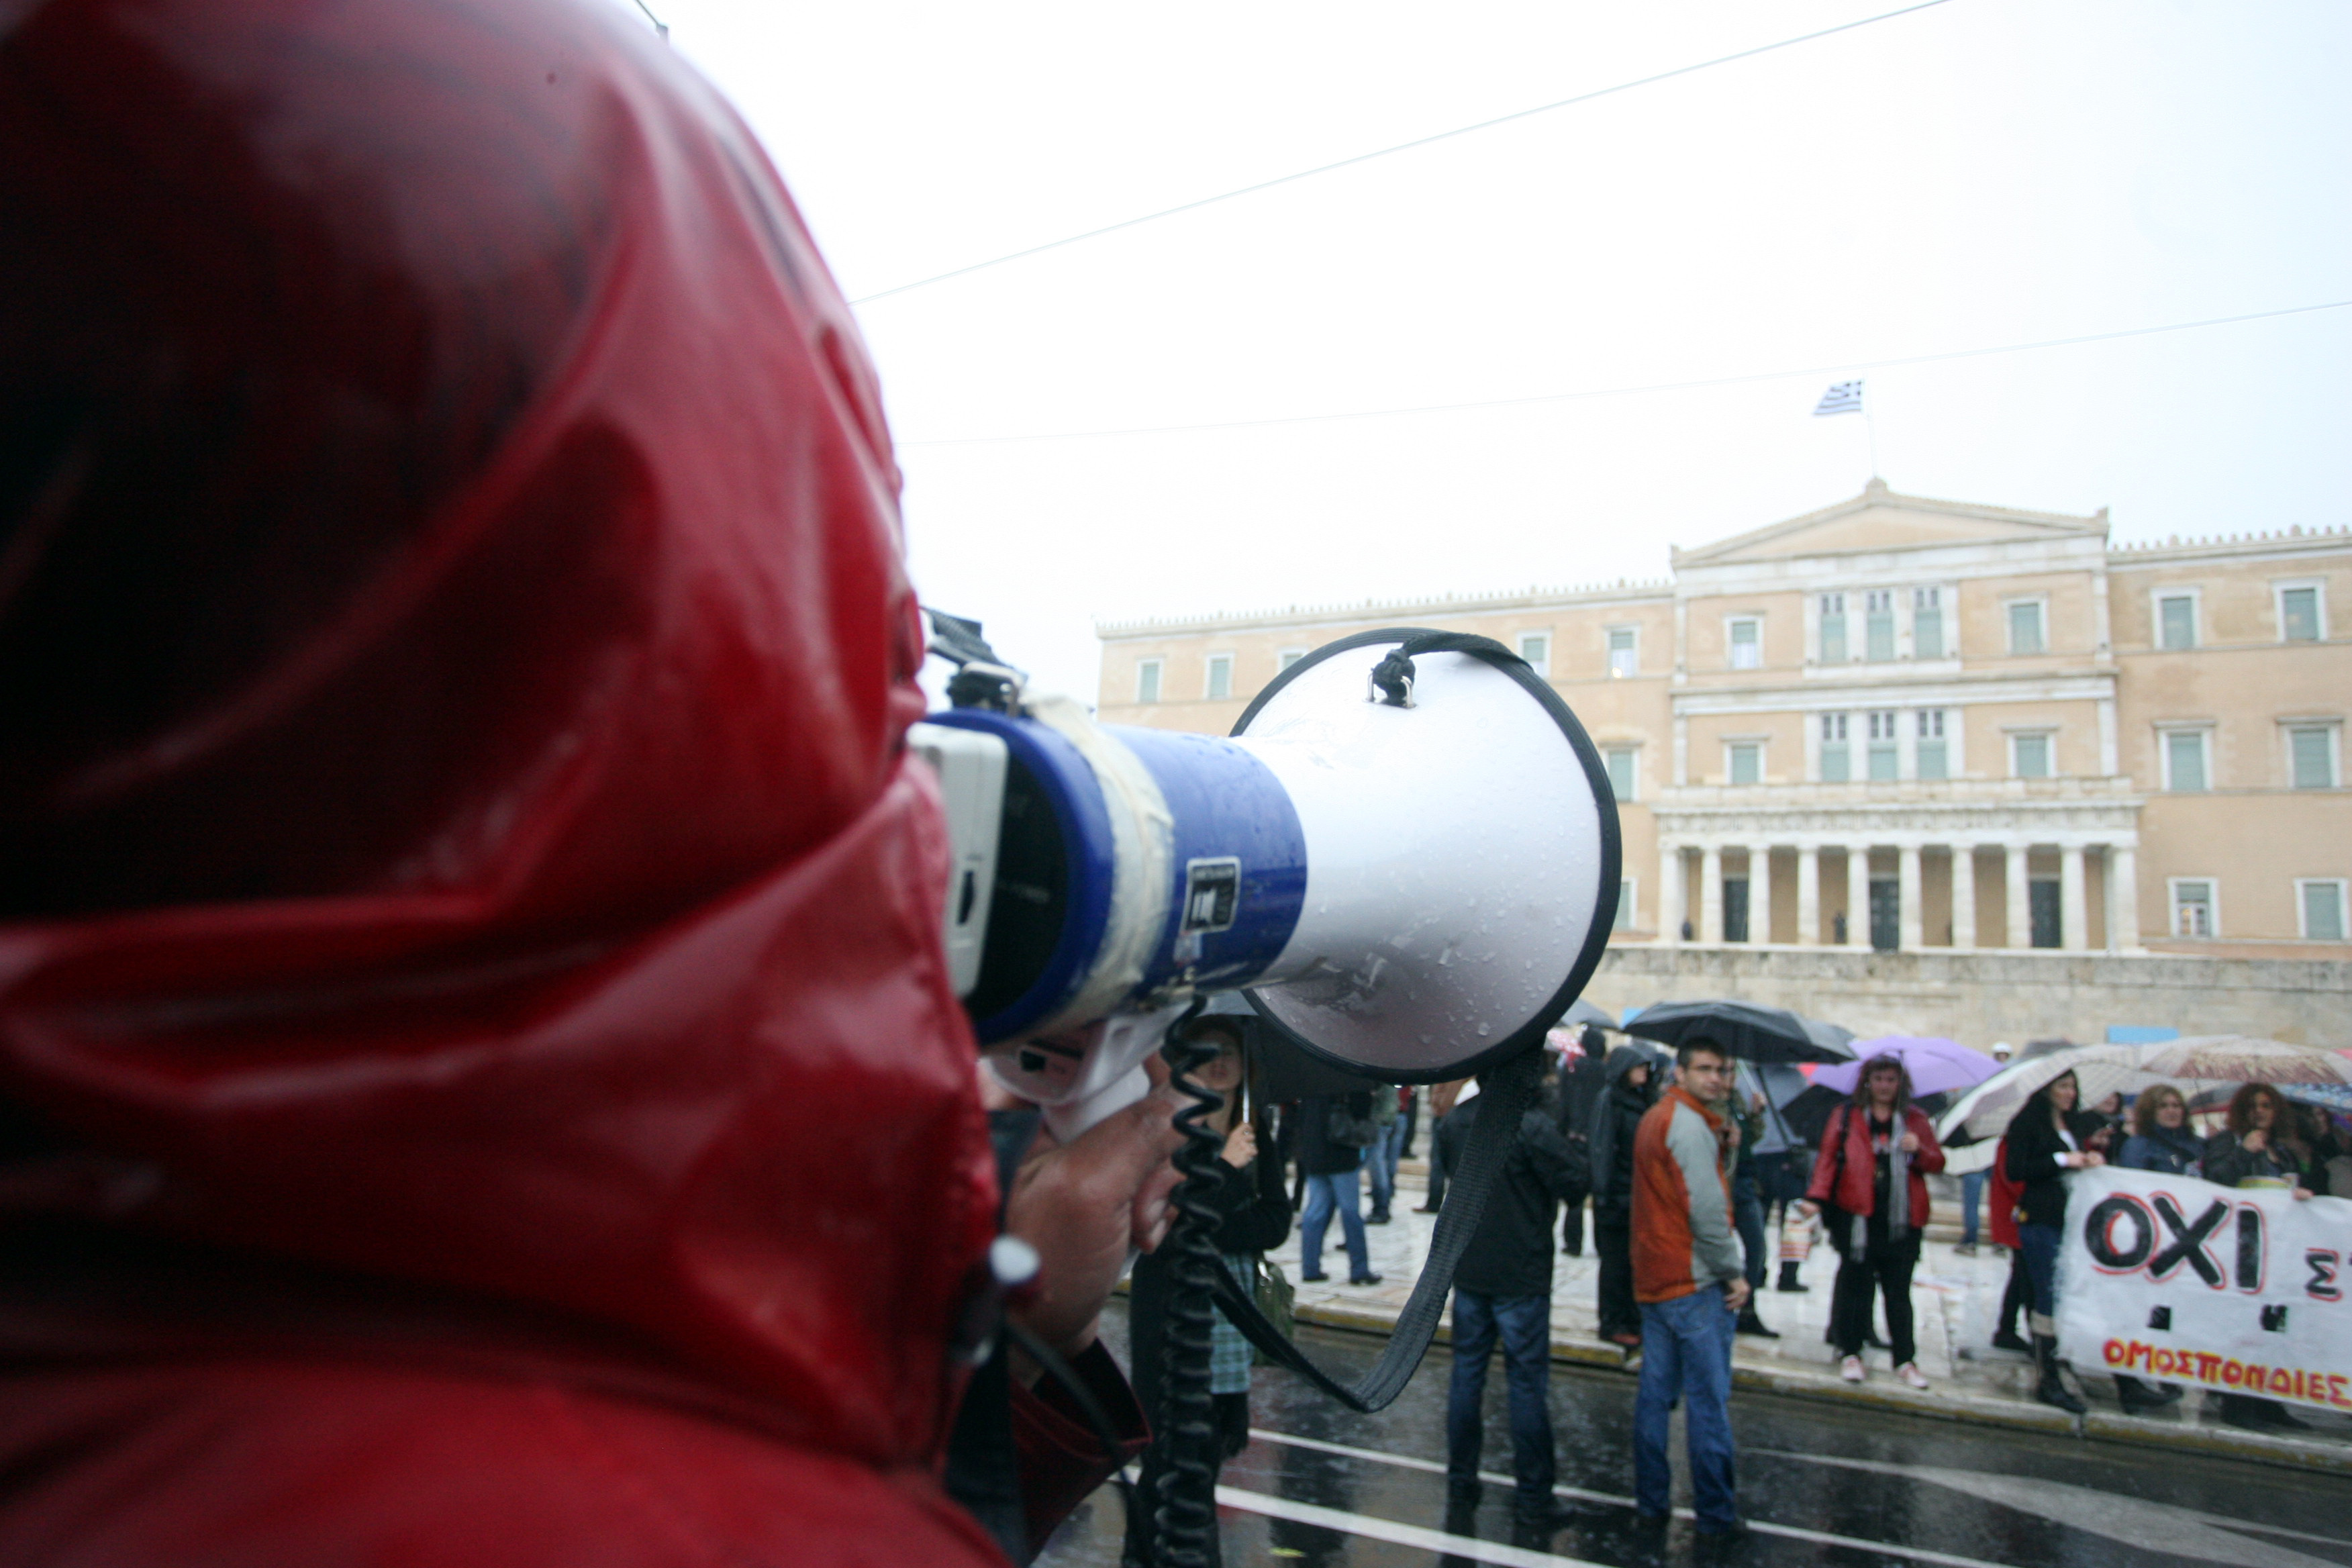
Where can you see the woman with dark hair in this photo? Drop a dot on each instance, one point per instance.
(1870, 1177)
(2050, 1139)
(2262, 1145)
(2161, 1140)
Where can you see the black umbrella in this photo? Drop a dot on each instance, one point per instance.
(1745, 1029)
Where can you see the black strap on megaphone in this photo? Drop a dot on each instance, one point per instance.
(1506, 1092)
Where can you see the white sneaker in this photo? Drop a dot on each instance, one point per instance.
(1850, 1369)
(1910, 1372)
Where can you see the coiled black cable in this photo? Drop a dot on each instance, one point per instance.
(1184, 1513)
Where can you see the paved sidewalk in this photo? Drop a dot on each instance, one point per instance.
(1955, 1299)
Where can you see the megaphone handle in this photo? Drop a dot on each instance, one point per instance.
(1069, 1120)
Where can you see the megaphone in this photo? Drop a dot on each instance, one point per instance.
(1406, 856)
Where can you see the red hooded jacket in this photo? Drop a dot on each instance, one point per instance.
(478, 1080)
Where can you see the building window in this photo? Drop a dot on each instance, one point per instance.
(1878, 625)
(1535, 649)
(2319, 905)
(1735, 909)
(1624, 653)
(1746, 642)
(2186, 760)
(2028, 755)
(1625, 904)
(1291, 656)
(1835, 768)
(2300, 617)
(2176, 621)
(1746, 762)
(1927, 623)
(1221, 676)
(1884, 765)
(2045, 909)
(1933, 763)
(1832, 629)
(2026, 632)
(2192, 907)
(2311, 755)
(1623, 772)
(1147, 681)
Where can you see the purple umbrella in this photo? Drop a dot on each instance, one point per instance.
(1935, 1066)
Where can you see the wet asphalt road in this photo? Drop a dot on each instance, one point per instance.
(1321, 1486)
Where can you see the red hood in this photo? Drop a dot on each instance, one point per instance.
(453, 654)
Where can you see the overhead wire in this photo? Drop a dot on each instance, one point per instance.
(1831, 368)
(1349, 162)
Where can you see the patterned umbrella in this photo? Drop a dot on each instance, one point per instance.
(1935, 1066)
(2239, 1058)
(2102, 1070)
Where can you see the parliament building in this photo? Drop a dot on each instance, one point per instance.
(1899, 725)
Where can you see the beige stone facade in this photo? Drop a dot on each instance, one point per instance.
(1910, 725)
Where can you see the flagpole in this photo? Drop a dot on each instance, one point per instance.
(1870, 424)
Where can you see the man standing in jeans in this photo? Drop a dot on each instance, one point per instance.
(1688, 1277)
(1328, 1138)
(1502, 1289)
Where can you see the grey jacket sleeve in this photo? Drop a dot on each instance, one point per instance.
(1715, 1247)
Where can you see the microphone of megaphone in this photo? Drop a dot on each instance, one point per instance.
(1406, 856)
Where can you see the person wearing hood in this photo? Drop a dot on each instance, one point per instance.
(1581, 1083)
(1617, 1115)
(480, 1077)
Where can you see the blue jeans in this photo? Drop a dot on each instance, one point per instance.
(1324, 1193)
(1380, 1162)
(1972, 1186)
(1747, 1219)
(1686, 1351)
(2039, 1246)
(1525, 1326)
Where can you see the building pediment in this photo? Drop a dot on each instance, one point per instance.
(1879, 519)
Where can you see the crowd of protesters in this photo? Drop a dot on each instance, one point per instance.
(1696, 1182)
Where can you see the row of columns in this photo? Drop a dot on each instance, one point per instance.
(2074, 899)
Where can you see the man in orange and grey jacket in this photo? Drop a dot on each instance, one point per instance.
(1689, 1278)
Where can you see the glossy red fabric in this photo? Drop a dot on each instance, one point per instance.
(454, 655)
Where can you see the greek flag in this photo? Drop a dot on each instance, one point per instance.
(1846, 398)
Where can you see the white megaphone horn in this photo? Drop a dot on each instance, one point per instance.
(1406, 856)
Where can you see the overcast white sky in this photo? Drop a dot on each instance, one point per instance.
(1979, 174)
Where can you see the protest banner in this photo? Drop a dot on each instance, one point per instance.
(2240, 1289)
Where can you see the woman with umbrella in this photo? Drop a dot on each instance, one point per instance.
(1871, 1177)
(2261, 1145)
(2050, 1140)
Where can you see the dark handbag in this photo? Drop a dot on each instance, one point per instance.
(1276, 1299)
(1347, 1130)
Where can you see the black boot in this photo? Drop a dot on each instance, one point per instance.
(1789, 1280)
(2136, 1396)
(1750, 1323)
(2052, 1389)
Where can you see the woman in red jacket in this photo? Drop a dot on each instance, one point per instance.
(1870, 1177)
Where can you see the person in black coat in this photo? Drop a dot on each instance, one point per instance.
(1319, 1128)
(1502, 1289)
(1581, 1083)
(1617, 1115)
(2049, 1140)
